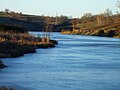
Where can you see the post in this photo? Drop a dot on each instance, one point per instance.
(48, 39)
(43, 40)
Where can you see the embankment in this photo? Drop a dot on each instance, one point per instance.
(15, 41)
(105, 31)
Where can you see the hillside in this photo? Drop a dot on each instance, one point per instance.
(31, 26)
(88, 24)
(29, 22)
(105, 24)
(110, 30)
(34, 22)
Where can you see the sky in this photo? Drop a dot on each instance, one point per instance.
(74, 8)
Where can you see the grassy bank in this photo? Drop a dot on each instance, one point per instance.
(18, 44)
(112, 30)
(15, 42)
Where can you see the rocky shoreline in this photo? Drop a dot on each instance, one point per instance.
(102, 33)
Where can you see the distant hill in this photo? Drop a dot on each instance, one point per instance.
(34, 22)
(29, 22)
(30, 26)
(87, 23)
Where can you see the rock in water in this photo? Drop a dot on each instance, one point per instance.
(2, 65)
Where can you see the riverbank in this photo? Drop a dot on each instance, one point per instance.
(12, 50)
(104, 31)
(18, 44)
(14, 45)
(15, 41)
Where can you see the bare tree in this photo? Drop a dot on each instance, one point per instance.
(62, 19)
(118, 4)
(86, 17)
(7, 11)
(108, 14)
(118, 12)
(47, 22)
(74, 23)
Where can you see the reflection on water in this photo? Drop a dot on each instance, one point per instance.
(77, 63)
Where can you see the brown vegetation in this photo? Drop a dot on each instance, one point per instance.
(105, 24)
(15, 42)
(112, 30)
(18, 44)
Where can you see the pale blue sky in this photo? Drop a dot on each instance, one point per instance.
(75, 8)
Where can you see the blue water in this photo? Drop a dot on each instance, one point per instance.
(76, 63)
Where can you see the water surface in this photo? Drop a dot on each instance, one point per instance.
(76, 63)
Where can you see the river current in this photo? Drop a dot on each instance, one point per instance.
(76, 63)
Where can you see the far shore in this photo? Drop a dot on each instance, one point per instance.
(112, 30)
(99, 33)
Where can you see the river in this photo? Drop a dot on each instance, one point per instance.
(76, 63)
